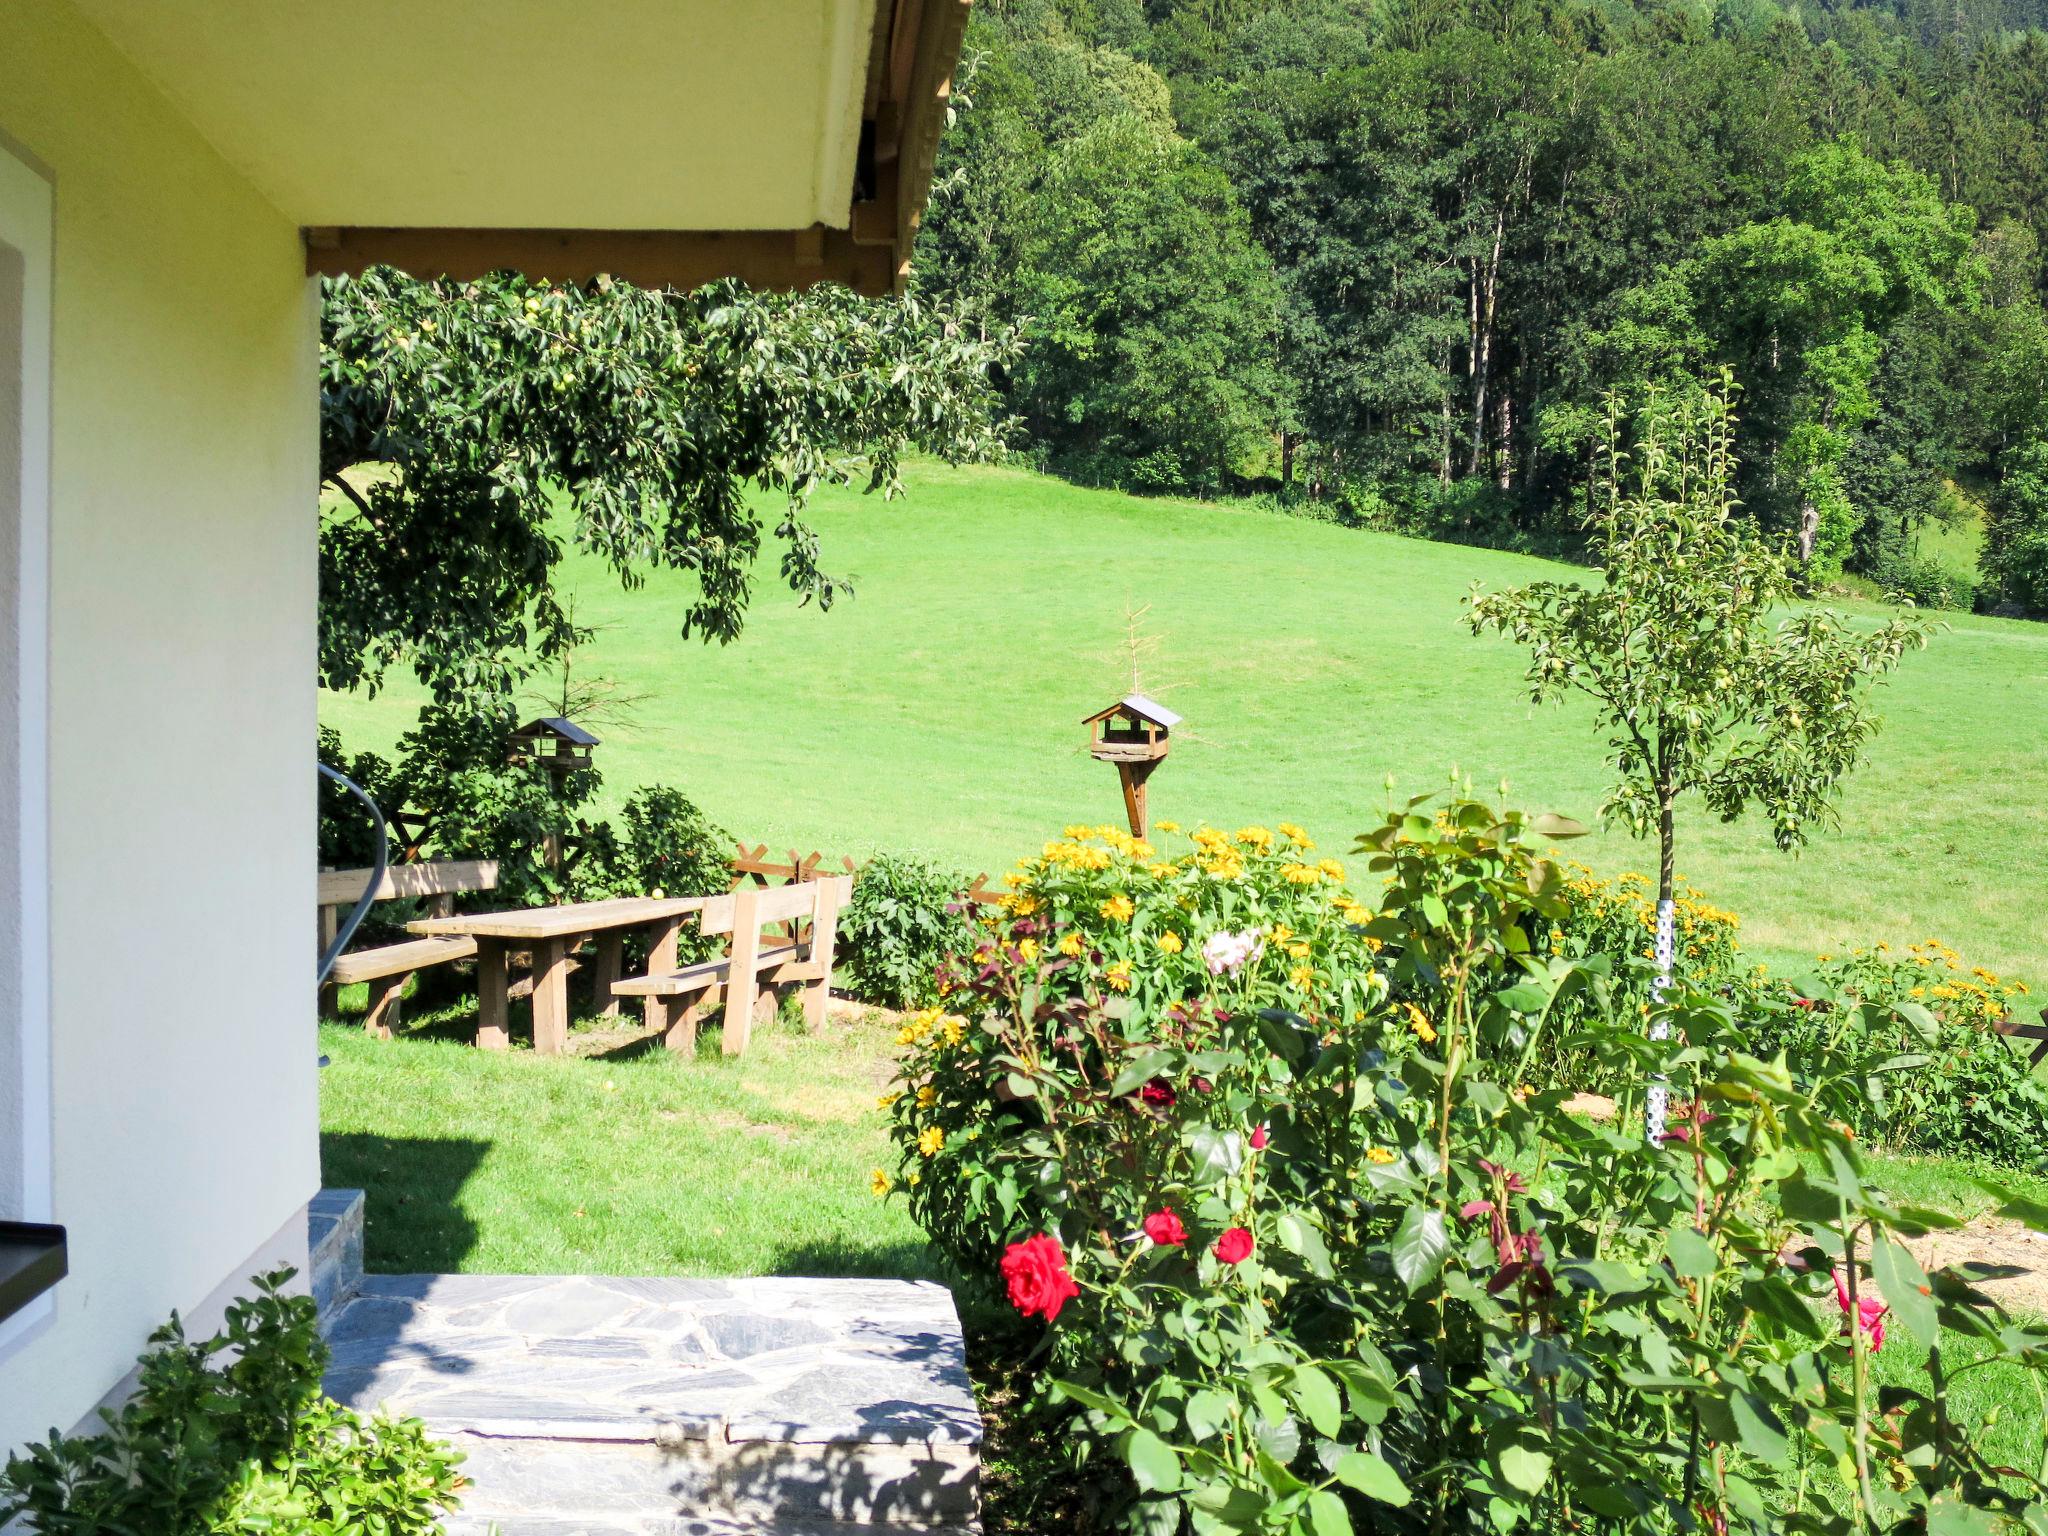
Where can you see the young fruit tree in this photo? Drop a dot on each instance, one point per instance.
(1707, 675)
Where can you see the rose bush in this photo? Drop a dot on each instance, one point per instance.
(1312, 1255)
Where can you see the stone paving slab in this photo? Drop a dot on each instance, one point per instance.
(660, 1360)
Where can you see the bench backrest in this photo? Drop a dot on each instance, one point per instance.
(801, 901)
(433, 877)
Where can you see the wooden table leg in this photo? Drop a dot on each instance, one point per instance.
(611, 965)
(551, 997)
(492, 979)
(661, 959)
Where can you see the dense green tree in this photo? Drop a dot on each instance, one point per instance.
(2016, 547)
(1482, 215)
(1153, 314)
(459, 420)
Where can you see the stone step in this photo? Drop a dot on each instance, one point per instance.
(630, 1404)
(334, 1248)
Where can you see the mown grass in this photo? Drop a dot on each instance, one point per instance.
(939, 709)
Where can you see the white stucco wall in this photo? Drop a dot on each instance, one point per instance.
(182, 587)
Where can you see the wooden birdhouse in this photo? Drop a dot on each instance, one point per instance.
(1134, 733)
(556, 746)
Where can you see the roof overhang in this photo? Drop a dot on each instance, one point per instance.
(667, 142)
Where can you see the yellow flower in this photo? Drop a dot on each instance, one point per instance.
(1028, 948)
(1169, 826)
(1331, 868)
(1378, 1155)
(1299, 874)
(1118, 908)
(1298, 951)
(1295, 835)
(927, 1096)
(878, 1181)
(1419, 1022)
(930, 1140)
(1071, 944)
(887, 1101)
(1170, 943)
(1162, 871)
(916, 1179)
(906, 1036)
(1303, 978)
(1256, 837)
(1120, 976)
(956, 1030)
(1281, 933)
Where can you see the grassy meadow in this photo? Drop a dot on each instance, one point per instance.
(938, 709)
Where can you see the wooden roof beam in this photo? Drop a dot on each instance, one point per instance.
(680, 259)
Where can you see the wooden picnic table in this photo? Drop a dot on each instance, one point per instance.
(549, 934)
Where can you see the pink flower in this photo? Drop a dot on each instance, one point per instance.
(1165, 1229)
(1259, 1139)
(1869, 1313)
(1234, 1246)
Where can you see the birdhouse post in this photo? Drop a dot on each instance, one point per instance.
(557, 747)
(1135, 734)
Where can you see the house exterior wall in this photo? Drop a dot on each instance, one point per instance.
(182, 584)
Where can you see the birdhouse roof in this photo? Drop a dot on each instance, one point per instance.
(558, 727)
(1144, 708)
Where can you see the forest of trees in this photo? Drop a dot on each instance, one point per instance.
(1384, 259)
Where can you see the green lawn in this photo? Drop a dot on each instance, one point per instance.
(938, 710)
(628, 1163)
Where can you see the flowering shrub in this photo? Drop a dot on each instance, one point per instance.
(1909, 1044)
(1312, 1258)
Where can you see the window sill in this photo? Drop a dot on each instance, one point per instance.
(32, 1260)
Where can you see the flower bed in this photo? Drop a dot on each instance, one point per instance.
(1312, 1253)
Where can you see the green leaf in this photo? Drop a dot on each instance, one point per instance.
(1316, 1395)
(1206, 1413)
(1154, 1463)
(1366, 1473)
(1420, 1246)
(1691, 1253)
(1525, 1467)
(1906, 1291)
(1759, 1429)
(1327, 1515)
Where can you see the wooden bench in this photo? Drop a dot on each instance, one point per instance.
(744, 974)
(437, 882)
(2019, 1031)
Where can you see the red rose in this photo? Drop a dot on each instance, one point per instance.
(1259, 1139)
(1159, 1091)
(1036, 1272)
(1234, 1246)
(1164, 1228)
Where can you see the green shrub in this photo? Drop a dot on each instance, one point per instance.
(904, 919)
(671, 846)
(1311, 1259)
(1916, 1062)
(1929, 583)
(233, 1435)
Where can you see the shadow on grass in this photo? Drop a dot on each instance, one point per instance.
(832, 1259)
(413, 1220)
